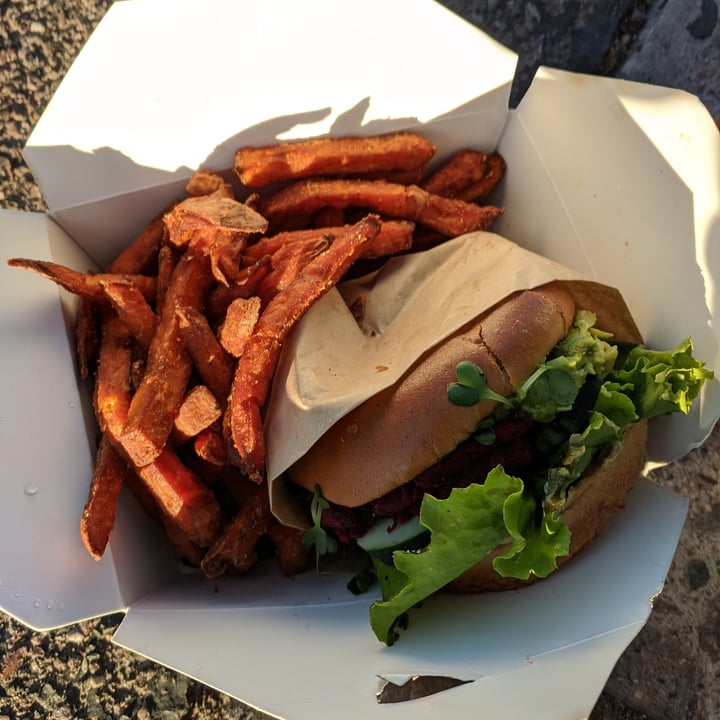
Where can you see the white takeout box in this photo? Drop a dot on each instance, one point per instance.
(616, 180)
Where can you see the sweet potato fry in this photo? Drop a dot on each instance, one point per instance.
(261, 166)
(166, 266)
(184, 547)
(244, 286)
(329, 217)
(181, 497)
(448, 216)
(240, 320)
(132, 309)
(464, 168)
(209, 446)
(98, 517)
(291, 554)
(484, 185)
(393, 237)
(86, 285)
(234, 551)
(288, 262)
(220, 214)
(213, 364)
(87, 336)
(199, 410)
(157, 400)
(139, 256)
(206, 182)
(254, 370)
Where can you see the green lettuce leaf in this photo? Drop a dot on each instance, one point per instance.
(465, 527)
(661, 382)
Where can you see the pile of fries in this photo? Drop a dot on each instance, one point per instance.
(183, 330)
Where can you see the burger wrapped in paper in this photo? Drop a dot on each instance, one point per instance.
(502, 449)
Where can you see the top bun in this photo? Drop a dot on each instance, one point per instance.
(409, 426)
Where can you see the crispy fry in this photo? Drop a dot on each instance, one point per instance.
(139, 255)
(393, 237)
(206, 182)
(199, 410)
(446, 215)
(220, 214)
(234, 551)
(166, 266)
(185, 548)
(87, 336)
(209, 446)
(292, 555)
(86, 285)
(240, 320)
(255, 369)
(484, 185)
(157, 400)
(329, 217)
(245, 286)
(181, 497)
(464, 168)
(132, 309)
(261, 166)
(211, 361)
(288, 262)
(98, 517)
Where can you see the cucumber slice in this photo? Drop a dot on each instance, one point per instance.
(379, 542)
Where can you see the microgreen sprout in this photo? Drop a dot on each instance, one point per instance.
(316, 536)
(471, 386)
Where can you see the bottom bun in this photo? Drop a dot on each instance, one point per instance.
(593, 500)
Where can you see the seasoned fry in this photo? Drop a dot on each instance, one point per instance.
(132, 309)
(261, 166)
(199, 410)
(155, 403)
(98, 517)
(87, 336)
(240, 320)
(446, 215)
(329, 217)
(291, 553)
(206, 182)
(86, 285)
(179, 494)
(209, 445)
(166, 266)
(245, 286)
(140, 254)
(255, 369)
(211, 361)
(234, 551)
(464, 168)
(484, 186)
(287, 264)
(220, 214)
(393, 237)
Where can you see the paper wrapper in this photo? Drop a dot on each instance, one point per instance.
(332, 362)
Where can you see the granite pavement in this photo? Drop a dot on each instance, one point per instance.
(672, 669)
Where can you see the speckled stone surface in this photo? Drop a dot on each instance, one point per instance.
(672, 669)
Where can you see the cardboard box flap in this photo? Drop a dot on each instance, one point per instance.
(47, 577)
(606, 590)
(258, 82)
(619, 181)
